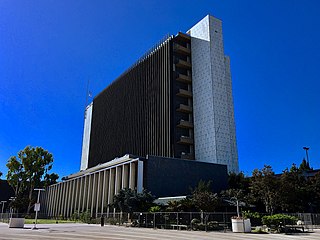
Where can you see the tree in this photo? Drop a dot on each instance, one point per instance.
(128, 200)
(28, 170)
(238, 181)
(304, 166)
(315, 187)
(235, 196)
(265, 187)
(183, 205)
(294, 192)
(203, 198)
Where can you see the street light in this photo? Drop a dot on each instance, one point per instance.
(307, 148)
(2, 202)
(12, 199)
(37, 206)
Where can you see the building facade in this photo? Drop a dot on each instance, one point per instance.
(174, 102)
(163, 125)
(93, 189)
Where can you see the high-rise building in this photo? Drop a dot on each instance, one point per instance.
(163, 125)
(175, 102)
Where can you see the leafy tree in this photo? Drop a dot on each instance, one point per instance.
(50, 179)
(29, 170)
(235, 196)
(265, 187)
(294, 191)
(203, 199)
(238, 181)
(183, 205)
(315, 187)
(128, 200)
(304, 166)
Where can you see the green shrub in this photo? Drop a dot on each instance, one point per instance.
(279, 220)
(251, 215)
(112, 221)
(254, 217)
(155, 209)
(85, 217)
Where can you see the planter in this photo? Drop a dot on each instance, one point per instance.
(16, 223)
(241, 225)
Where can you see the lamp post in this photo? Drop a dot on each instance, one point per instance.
(307, 148)
(37, 206)
(2, 202)
(12, 199)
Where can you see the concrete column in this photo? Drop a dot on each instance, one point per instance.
(73, 193)
(50, 207)
(99, 192)
(112, 177)
(94, 193)
(118, 180)
(85, 193)
(105, 190)
(70, 196)
(125, 176)
(63, 198)
(80, 198)
(132, 178)
(66, 198)
(76, 195)
(56, 199)
(89, 192)
(49, 200)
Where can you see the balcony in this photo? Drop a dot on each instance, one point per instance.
(184, 93)
(182, 64)
(184, 124)
(184, 78)
(183, 37)
(181, 49)
(185, 140)
(184, 108)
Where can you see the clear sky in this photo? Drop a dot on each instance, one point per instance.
(50, 49)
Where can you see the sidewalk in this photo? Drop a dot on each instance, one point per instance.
(86, 231)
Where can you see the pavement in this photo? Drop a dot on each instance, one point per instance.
(90, 231)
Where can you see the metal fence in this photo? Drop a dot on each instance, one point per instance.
(207, 221)
(171, 220)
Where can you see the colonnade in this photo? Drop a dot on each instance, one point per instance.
(92, 191)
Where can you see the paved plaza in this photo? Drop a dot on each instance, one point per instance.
(85, 231)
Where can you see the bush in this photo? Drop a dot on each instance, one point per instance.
(195, 224)
(112, 221)
(279, 220)
(85, 217)
(155, 209)
(254, 217)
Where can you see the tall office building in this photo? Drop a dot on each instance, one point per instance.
(163, 125)
(176, 102)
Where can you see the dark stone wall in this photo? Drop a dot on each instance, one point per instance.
(134, 113)
(166, 177)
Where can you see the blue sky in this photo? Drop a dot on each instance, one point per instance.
(49, 49)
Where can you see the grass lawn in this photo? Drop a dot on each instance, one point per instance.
(46, 221)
